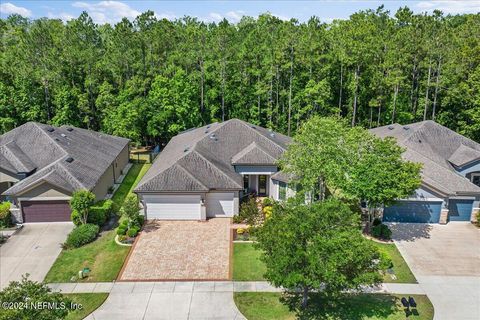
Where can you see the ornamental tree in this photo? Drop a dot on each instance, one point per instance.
(131, 207)
(317, 246)
(81, 202)
(349, 163)
(35, 294)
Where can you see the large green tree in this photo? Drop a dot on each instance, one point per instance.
(329, 157)
(373, 68)
(317, 247)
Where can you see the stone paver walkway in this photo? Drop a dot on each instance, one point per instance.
(181, 250)
(206, 286)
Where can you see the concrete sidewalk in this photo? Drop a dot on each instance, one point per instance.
(207, 286)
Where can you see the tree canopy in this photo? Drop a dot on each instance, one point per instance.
(349, 162)
(317, 246)
(150, 78)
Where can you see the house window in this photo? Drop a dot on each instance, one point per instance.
(282, 190)
(246, 179)
(476, 179)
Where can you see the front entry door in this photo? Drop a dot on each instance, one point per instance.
(262, 185)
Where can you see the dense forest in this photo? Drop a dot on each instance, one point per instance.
(148, 79)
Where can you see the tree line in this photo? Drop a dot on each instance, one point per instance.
(149, 79)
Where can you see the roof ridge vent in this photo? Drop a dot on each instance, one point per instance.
(63, 135)
(391, 127)
(253, 127)
(186, 148)
(70, 129)
(272, 134)
(50, 129)
(69, 160)
(406, 127)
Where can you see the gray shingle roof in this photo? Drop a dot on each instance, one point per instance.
(45, 148)
(435, 146)
(202, 159)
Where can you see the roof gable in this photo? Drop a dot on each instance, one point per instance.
(45, 148)
(436, 147)
(253, 154)
(207, 153)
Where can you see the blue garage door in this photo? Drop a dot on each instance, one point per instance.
(459, 210)
(413, 211)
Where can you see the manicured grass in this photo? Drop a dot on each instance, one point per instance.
(103, 256)
(246, 263)
(268, 305)
(248, 267)
(400, 267)
(134, 175)
(89, 302)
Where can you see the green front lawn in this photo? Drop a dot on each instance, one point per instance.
(268, 305)
(129, 183)
(248, 267)
(89, 302)
(400, 267)
(246, 263)
(103, 256)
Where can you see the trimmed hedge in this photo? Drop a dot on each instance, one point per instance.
(382, 231)
(132, 232)
(101, 212)
(82, 235)
(5, 215)
(122, 230)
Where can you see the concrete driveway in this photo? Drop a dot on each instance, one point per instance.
(445, 259)
(32, 250)
(181, 250)
(169, 300)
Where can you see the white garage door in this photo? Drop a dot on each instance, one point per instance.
(219, 204)
(173, 207)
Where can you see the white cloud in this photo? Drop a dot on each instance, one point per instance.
(453, 7)
(9, 8)
(215, 16)
(64, 16)
(235, 16)
(107, 11)
(166, 15)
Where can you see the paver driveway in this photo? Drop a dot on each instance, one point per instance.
(445, 259)
(181, 250)
(32, 250)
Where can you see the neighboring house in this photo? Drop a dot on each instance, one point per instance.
(41, 166)
(450, 189)
(203, 172)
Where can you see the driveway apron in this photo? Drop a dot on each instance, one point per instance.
(32, 250)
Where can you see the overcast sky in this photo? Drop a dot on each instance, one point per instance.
(113, 11)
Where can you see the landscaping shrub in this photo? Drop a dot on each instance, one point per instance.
(96, 216)
(267, 202)
(478, 219)
(132, 232)
(122, 230)
(377, 222)
(5, 215)
(82, 235)
(267, 211)
(75, 217)
(384, 261)
(249, 212)
(382, 231)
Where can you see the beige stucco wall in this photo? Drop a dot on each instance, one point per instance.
(44, 190)
(107, 180)
(121, 161)
(4, 176)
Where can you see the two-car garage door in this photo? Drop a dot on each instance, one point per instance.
(46, 211)
(188, 207)
(413, 211)
(173, 207)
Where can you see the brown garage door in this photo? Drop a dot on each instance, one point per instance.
(46, 211)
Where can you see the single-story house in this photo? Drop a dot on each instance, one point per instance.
(42, 165)
(203, 172)
(450, 189)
